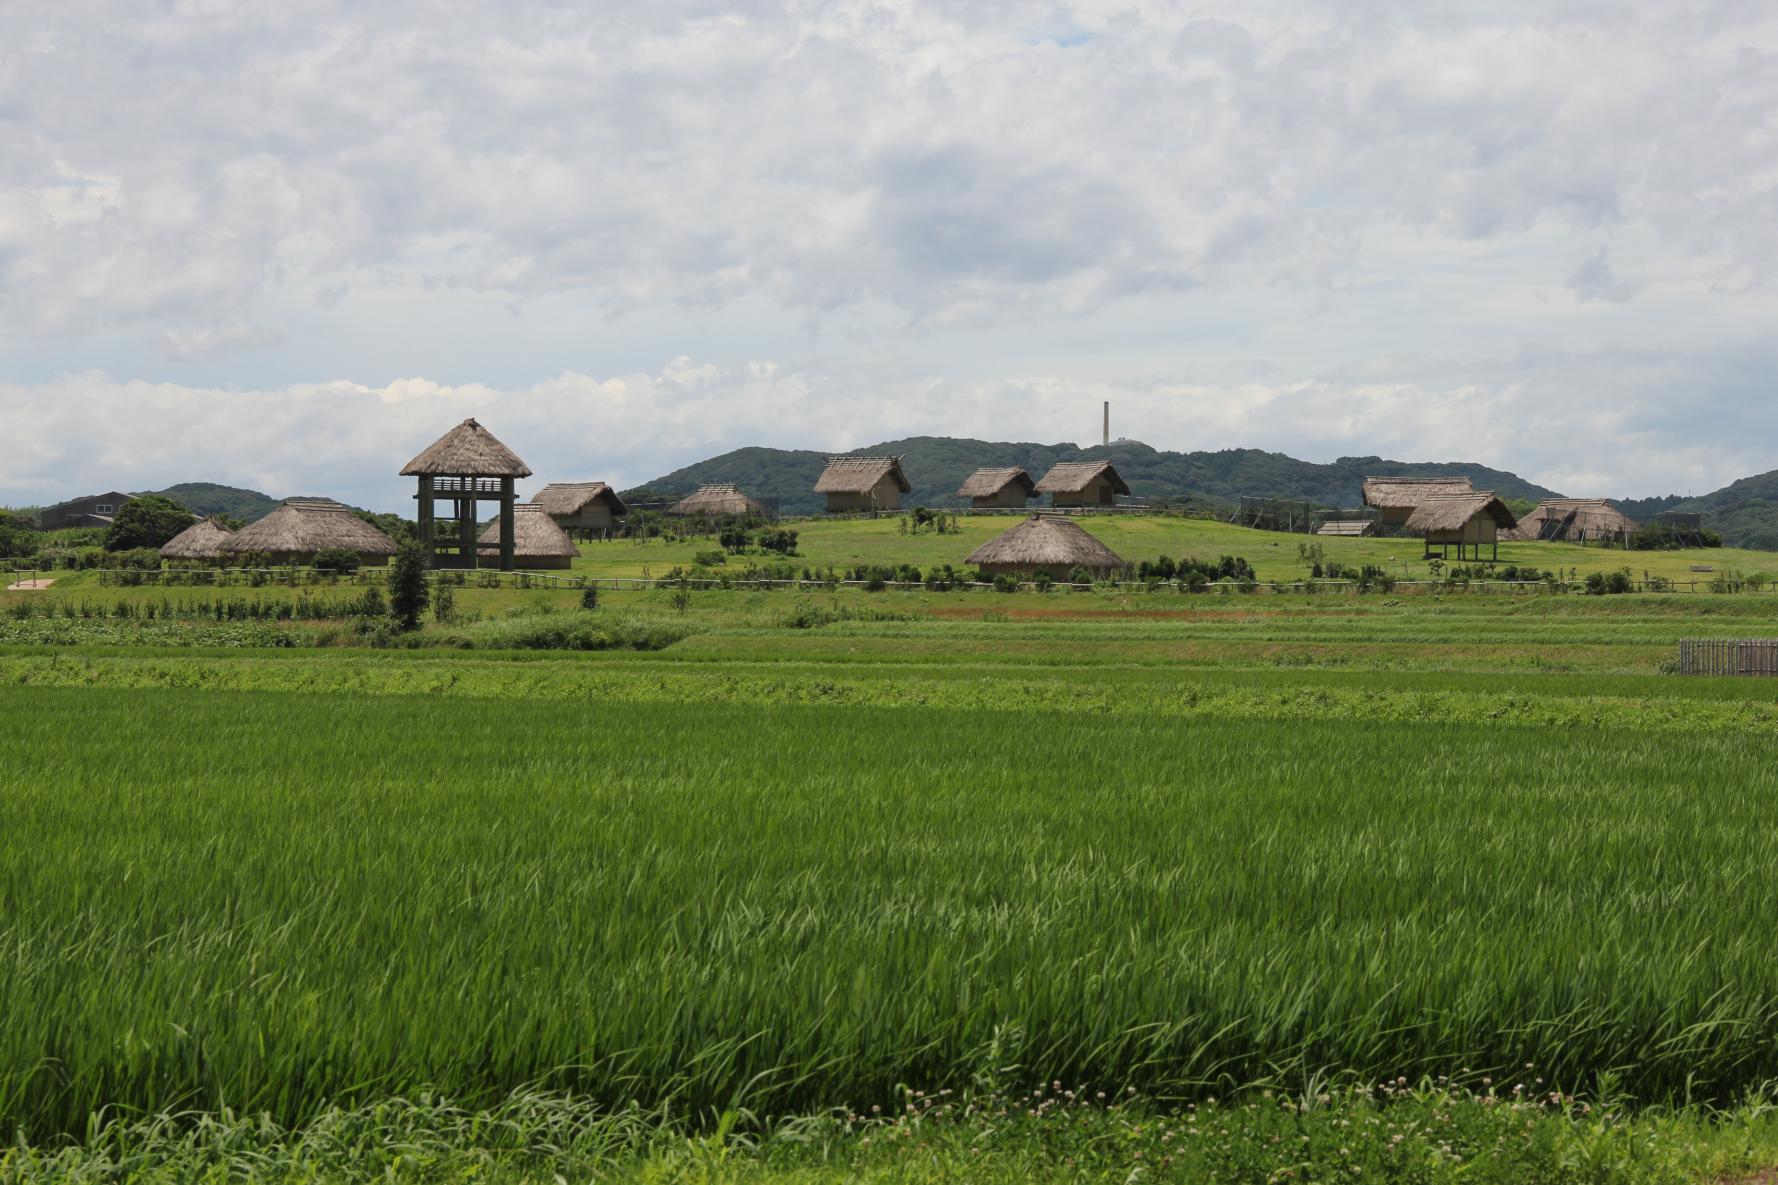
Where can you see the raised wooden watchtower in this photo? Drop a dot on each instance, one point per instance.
(463, 467)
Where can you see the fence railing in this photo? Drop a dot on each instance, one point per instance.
(1728, 656)
(491, 578)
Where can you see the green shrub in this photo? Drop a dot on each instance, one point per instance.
(338, 560)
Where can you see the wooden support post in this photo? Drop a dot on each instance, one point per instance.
(466, 530)
(425, 497)
(507, 527)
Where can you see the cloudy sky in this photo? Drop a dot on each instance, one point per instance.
(287, 245)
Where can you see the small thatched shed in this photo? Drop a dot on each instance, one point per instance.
(202, 541)
(1576, 520)
(863, 483)
(1468, 522)
(998, 488)
(1398, 497)
(1083, 483)
(294, 532)
(537, 541)
(717, 500)
(589, 507)
(1046, 543)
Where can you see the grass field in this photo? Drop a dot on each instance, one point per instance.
(843, 543)
(818, 849)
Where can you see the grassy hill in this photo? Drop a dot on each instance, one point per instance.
(1745, 511)
(937, 465)
(205, 497)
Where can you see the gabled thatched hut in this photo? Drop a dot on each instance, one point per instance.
(1046, 543)
(294, 532)
(202, 541)
(1576, 520)
(1468, 522)
(537, 541)
(998, 488)
(588, 507)
(1397, 497)
(717, 500)
(863, 483)
(1083, 483)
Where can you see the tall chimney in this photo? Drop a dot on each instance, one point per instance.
(1108, 421)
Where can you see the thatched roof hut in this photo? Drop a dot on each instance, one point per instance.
(863, 483)
(537, 541)
(468, 450)
(1576, 520)
(202, 540)
(1467, 522)
(1083, 483)
(581, 505)
(295, 531)
(1046, 543)
(1397, 497)
(1008, 486)
(716, 499)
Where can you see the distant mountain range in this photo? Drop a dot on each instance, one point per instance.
(1745, 512)
(937, 465)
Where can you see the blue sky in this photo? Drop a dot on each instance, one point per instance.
(286, 247)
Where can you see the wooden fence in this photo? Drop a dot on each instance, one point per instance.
(1725, 656)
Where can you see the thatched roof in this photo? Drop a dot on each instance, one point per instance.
(201, 541)
(304, 526)
(1575, 518)
(566, 498)
(468, 450)
(1448, 512)
(860, 475)
(535, 534)
(1071, 477)
(1405, 493)
(717, 498)
(985, 483)
(1047, 541)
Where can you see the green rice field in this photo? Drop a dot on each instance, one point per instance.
(771, 859)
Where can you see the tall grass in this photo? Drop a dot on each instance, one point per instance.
(283, 901)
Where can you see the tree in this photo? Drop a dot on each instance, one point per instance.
(407, 585)
(18, 535)
(148, 521)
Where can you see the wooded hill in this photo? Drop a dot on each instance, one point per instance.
(937, 465)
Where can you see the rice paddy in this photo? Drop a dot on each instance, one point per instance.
(807, 851)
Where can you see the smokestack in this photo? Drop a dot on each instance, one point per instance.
(1108, 421)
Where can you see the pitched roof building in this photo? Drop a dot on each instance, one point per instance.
(863, 483)
(717, 499)
(537, 541)
(588, 507)
(1009, 486)
(1468, 522)
(1396, 497)
(1083, 483)
(1576, 520)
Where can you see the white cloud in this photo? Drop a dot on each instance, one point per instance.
(1594, 280)
(1269, 223)
(1536, 414)
(948, 159)
(215, 341)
